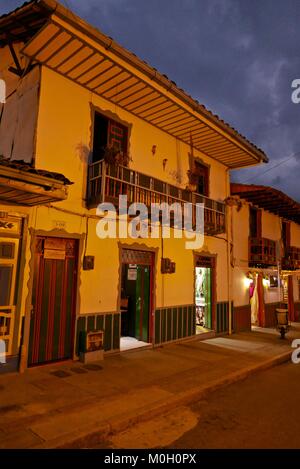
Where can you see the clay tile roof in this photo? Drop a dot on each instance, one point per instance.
(268, 198)
(25, 21)
(26, 167)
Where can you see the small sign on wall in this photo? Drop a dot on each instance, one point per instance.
(54, 254)
(132, 274)
(59, 224)
(55, 243)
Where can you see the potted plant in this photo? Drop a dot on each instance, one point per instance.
(193, 181)
(114, 156)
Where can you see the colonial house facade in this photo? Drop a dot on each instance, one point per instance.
(265, 256)
(86, 121)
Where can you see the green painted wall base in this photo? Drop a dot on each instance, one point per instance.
(174, 323)
(222, 317)
(107, 322)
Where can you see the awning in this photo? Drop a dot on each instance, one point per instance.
(74, 49)
(23, 185)
(269, 199)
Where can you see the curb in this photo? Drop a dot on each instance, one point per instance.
(89, 437)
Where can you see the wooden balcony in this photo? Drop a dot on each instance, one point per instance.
(262, 252)
(291, 260)
(107, 182)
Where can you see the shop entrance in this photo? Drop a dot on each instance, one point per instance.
(136, 298)
(204, 274)
(257, 303)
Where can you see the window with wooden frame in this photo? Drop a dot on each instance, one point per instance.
(108, 133)
(201, 177)
(255, 223)
(286, 234)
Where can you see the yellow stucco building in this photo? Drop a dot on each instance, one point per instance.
(265, 255)
(85, 121)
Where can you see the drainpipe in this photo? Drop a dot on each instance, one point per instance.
(228, 237)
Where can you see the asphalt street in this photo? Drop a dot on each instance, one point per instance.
(262, 411)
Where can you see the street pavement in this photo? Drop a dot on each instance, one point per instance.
(260, 412)
(75, 405)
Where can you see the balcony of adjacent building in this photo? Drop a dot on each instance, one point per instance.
(291, 259)
(262, 252)
(106, 182)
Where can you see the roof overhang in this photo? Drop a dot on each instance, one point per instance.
(270, 199)
(19, 187)
(21, 24)
(71, 47)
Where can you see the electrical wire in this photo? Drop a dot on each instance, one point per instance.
(273, 167)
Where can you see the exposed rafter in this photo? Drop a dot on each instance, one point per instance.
(270, 199)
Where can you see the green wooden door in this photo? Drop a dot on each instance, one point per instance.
(208, 297)
(142, 303)
(53, 300)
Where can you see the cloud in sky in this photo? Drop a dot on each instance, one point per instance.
(237, 57)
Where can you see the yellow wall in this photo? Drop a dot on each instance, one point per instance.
(271, 226)
(240, 229)
(295, 235)
(240, 234)
(65, 125)
(63, 144)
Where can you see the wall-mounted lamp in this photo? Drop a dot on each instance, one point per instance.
(153, 149)
(248, 279)
(165, 163)
(247, 282)
(266, 282)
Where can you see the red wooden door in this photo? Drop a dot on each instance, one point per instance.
(53, 300)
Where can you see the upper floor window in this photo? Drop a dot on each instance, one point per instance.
(108, 134)
(286, 234)
(255, 223)
(201, 175)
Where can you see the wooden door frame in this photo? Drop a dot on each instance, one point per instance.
(21, 235)
(291, 306)
(213, 260)
(34, 234)
(154, 252)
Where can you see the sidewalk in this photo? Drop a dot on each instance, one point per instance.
(75, 405)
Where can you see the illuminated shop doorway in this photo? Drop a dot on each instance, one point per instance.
(204, 294)
(136, 299)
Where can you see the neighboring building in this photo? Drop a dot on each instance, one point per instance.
(73, 95)
(265, 256)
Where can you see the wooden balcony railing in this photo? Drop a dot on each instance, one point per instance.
(107, 182)
(262, 252)
(291, 260)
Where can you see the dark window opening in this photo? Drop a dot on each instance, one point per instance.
(6, 272)
(285, 233)
(255, 223)
(108, 133)
(7, 250)
(201, 173)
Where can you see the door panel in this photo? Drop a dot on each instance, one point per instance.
(146, 304)
(142, 303)
(53, 300)
(138, 302)
(208, 298)
(137, 289)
